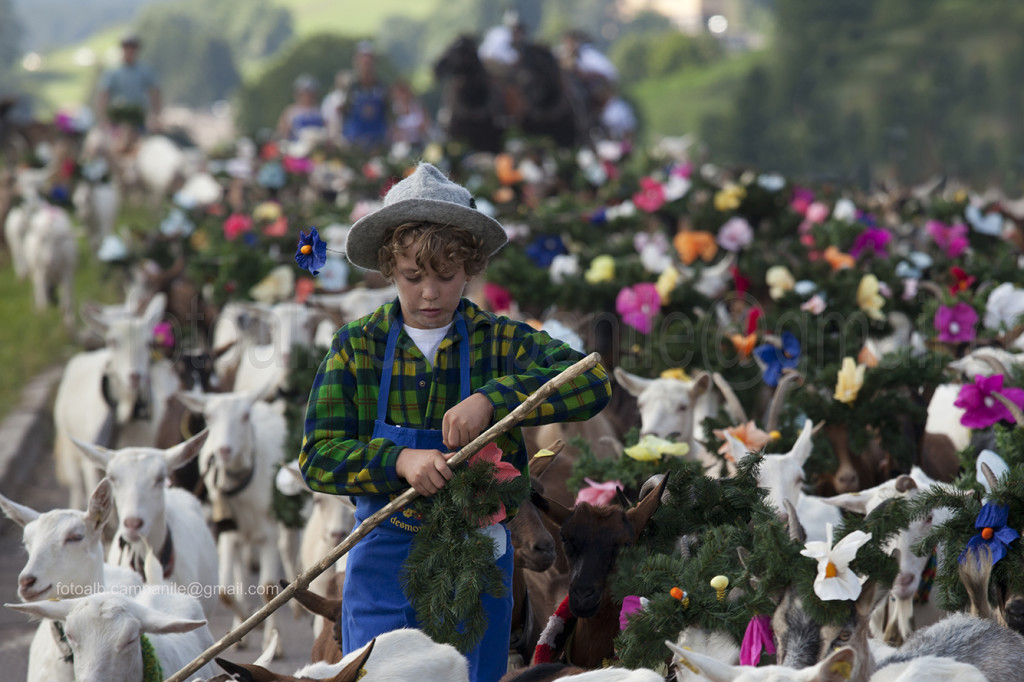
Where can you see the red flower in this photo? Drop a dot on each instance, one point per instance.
(236, 224)
(961, 280)
(497, 298)
(503, 472)
(651, 196)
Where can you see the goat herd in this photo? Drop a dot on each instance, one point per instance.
(173, 466)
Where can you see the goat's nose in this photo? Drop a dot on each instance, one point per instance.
(584, 593)
(904, 579)
(224, 451)
(848, 481)
(26, 581)
(544, 546)
(132, 523)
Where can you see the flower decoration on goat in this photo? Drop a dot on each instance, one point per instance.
(651, 195)
(736, 234)
(779, 280)
(981, 406)
(729, 197)
(563, 267)
(993, 532)
(874, 240)
(961, 280)
(849, 381)
(757, 637)
(837, 259)
(1004, 307)
(956, 324)
(869, 298)
(638, 305)
(835, 580)
(694, 244)
(747, 433)
(651, 449)
(631, 603)
(597, 493)
(990, 224)
(776, 357)
(235, 225)
(666, 284)
(543, 249)
(602, 269)
(950, 238)
(312, 251)
(503, 472)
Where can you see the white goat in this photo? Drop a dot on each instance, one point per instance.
(783, 477)
(330, 522)
(97, 205)
(266, 366)
(118, 390)
(108, 632)
(246, 440)
(357, 302)
(65, 558)
(404, 654)
(18, 221)
(50, 255)
(153, 517)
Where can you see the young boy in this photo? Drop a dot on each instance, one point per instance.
(405, 387)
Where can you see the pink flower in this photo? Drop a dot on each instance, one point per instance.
(598, 494)
(801, 200)
(638, 305)
(817, 212)
(814, 305)
(630, 605)
(497, 298)
(956, 324)
(504, 471)
(235, 225)
(951, 238)
(278, 228)
(163, 335)
(651, 196)
(683, 170)
(873, 239)
(735, 234)
(980, 408)
(297, 164)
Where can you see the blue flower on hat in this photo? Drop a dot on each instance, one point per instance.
(993, 534)
(311, 253)
(774, 358)
(543, 249)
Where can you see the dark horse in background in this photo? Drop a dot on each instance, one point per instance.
(478, 105)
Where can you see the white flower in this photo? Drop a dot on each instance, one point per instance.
(1004, 306)
(112, 249)
(844, 210)
(654, 258)
(835, 580)
(624, 210)
(557, 330)
(772, 182)
(564, 266)
(676, 187)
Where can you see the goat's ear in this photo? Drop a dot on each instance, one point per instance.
(634, 384)
(555, 511)
(97, 454)
(101, 502)
(221, 350)
(354, 670)
(270, 645)
(93, 314)
(640, 514)
(241, 671)
(179, 455)
(18, 513)
(160, 623)
(700, 385)
(54, 610)
(541, 460)
(838, 667)
(854, 502)
(905, 483)
(865, 603)
(317, 605)
(193, 402)
(802, 448)
(709, 667)
(155, 309)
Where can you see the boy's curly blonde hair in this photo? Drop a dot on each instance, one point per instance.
(439, 246)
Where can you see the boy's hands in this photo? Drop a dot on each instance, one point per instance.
(466, 421)
(426, 470)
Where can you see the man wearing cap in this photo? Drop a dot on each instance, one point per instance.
(129, 93)
(365, 110)
(405, 387)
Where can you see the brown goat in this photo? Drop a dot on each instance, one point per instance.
(327, 646)
(255, 673)
(592, 537)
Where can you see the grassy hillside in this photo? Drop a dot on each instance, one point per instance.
(350, 17)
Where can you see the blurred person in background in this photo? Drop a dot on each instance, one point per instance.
(410, 122)
(128, 95)
(366, 109)
(303, 114)
(334, 101)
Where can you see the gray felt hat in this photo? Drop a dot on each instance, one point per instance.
(427, 196)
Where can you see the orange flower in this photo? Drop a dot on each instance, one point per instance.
(744, 344)
(505, 167)
(692, 244)
(748, 434)
(839, 260)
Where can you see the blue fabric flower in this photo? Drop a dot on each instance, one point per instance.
(271, 175)
(992, 523)
(315, 256)
(543, 249)
(774, 359)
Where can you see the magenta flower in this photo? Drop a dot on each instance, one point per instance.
(631, 603)
(817, 212)
(758, 637)
(298, 165)
(163, 335)
(503, 472)
(956, 324)
(801, 200)
(651, 196)
(235, 225)
(874, 239)
(951, 238)
(981, 409)
(638, 305)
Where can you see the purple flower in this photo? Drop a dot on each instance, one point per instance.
(311, 253)
(774, 359)
(543, 249)
(956, 324)
(874, 238)
(735, 234)
(950, 238)
(981, 408)
(994, 533)
(757, 637)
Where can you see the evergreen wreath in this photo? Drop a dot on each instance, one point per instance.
(451, 565)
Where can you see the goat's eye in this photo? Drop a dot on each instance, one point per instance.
(128, 643)
(844, 636)
(74, 537)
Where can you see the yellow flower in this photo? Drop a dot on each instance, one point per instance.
(199, 240)
(651, 449)
(676, 373)
(268, 211)
(849, 381)
(602, 269)
(780, 280)
(868, 298)
(729, 197)
(666, 284)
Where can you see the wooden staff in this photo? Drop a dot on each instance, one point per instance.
(304, 578)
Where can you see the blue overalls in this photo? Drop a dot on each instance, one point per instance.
(372, 598)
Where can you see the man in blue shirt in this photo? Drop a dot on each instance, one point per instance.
(365, 112)
(129, 93)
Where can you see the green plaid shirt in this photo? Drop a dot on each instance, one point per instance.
(510, 360)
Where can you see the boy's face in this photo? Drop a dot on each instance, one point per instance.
(428, 298)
